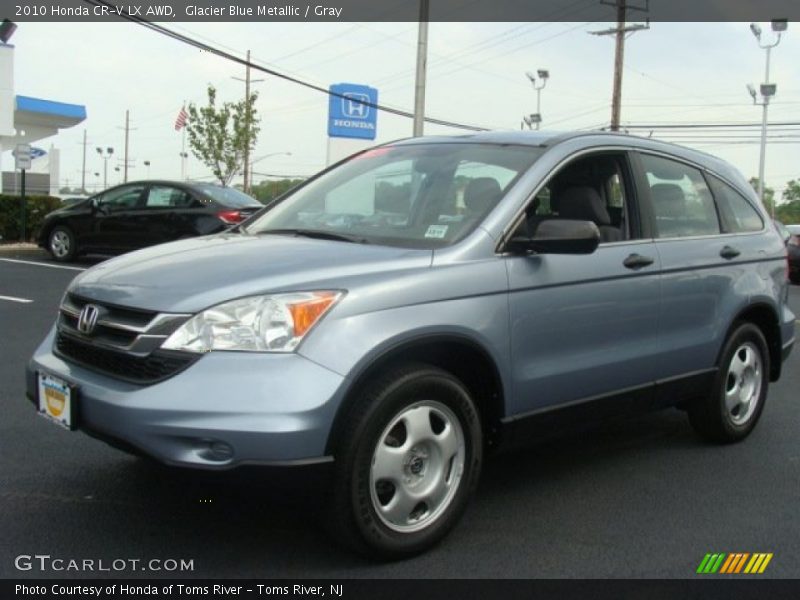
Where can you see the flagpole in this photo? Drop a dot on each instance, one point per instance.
(183, 154)
(183, 146)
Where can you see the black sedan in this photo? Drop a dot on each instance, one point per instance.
(793, 248)
(142, 213)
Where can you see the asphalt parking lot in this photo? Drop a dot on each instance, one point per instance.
(643, 498)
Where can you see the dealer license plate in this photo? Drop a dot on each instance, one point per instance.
(57, 400)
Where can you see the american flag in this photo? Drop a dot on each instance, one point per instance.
(180, 121)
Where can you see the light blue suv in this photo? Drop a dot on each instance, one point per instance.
(406, 311)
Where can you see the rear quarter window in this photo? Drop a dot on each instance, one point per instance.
(738, 215)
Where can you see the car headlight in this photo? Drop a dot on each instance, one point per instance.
(270, 323)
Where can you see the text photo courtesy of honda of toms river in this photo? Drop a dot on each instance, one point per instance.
(403, 314)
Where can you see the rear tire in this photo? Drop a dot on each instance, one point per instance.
(407, 463)
(732, 410)
(61, 244)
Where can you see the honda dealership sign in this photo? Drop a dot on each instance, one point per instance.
(351, 111)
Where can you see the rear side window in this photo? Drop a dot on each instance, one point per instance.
(682, 203)
(738, 215)
(162, 196)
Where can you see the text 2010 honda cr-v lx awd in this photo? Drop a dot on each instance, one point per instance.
(401, 313)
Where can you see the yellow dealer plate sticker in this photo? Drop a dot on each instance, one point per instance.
(56, 400)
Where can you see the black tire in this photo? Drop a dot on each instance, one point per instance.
(411, 394)
(794, 278)
(713, 417)
(61, 244)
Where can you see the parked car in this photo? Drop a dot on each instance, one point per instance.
(399, 316)
(142, 213)
(793, 249)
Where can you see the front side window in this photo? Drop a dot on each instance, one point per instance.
(738, 215)
(590, 188)
(123, 198)
(415, 195)
(682, 203)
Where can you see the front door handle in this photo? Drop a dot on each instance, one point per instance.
(729, 252)
(637, 261)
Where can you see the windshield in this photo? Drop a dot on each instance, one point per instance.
(226, 196)
(419, 196)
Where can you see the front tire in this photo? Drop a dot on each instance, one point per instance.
(61, 244)
(408, 461)
(731, 412)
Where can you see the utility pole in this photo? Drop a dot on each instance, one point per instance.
(83, 168)
(619, 32)
(246, 173)
(125, 158)
(422, 66)
(127, 130)
(248, 117)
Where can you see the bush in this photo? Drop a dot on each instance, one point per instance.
(36, 207)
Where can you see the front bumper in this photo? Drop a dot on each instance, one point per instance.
(227, 409)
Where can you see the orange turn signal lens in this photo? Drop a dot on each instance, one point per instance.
(307, 312)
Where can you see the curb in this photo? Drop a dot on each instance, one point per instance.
(22, 251)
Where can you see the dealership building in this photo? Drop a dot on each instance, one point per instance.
(26, 120)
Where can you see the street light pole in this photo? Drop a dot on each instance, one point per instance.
(422, 67)
(767, 90)
(762, 159)
(105, 156)
(544, 75)
(260, 158)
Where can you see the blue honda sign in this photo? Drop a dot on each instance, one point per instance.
(352, 112)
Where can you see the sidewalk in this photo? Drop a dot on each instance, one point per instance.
(22, 251)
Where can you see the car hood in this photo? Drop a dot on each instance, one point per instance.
(190, 275)
(77, 207)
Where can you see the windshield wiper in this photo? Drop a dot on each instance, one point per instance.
(316, 234)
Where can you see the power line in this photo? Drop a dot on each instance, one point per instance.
(213, 50)
(707, 125)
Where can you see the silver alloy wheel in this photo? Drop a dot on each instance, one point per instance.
(417, 466)
(59, 243)
(743, 383)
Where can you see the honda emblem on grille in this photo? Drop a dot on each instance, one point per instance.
(87, 320)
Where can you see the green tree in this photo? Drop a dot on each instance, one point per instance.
(769, 194)
(788, 211)
(792, 191)
(219, 133)
(266, 191)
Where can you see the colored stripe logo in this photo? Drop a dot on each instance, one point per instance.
(734, 563)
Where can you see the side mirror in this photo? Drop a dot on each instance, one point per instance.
(98, 206)
(559, 236)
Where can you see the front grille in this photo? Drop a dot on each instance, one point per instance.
(146, 370)
(117, 337)
(120, 314)
(124, 343)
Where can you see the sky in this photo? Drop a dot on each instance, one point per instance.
(674, 73)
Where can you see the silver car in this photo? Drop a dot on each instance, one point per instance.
(410, 310)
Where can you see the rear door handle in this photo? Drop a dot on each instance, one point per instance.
(729, 252)
(637, 261)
